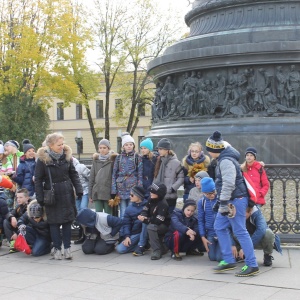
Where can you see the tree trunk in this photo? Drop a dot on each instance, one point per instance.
(92, 128)
(106, 113)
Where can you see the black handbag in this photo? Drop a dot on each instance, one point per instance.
(49, 195)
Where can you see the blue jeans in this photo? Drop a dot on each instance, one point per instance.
(40, 245)
(134, 241)
(238, 224)
(214, 253)
(123, 205)
(56, 236)
(83, 203)
(143, 236)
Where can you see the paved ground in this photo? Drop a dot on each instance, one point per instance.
(115, 276)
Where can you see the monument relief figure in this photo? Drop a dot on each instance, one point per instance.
(220, 88)
(281, 86)
(157, 106)
(293, 85)
(268, 77)
(243, 92)
(168, 94)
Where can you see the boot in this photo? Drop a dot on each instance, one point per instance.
(81, 237)
(68, 254)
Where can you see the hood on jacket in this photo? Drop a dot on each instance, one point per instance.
(230, 151)
(112, 157)
(44, 156)
(86, 217)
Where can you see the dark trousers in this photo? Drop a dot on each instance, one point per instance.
(97, 246)
(40, 245)
(156, 234)
(9, 230)
(58, 238)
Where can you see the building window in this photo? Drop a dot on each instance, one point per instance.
(78, 111)
(119, 107)
(60, 111)
(142, 110)
(99, 109)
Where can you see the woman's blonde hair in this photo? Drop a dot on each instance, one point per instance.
(197, 144)
(52, 138)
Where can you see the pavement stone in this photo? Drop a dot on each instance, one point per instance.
(116, 276)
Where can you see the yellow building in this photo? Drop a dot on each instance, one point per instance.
(72, 122)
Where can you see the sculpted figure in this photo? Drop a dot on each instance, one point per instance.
(281, 81)
(168, 94)
(293, 85)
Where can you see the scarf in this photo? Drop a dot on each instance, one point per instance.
(161, 173)
(190, 161)
(104, 157)
(55, 155)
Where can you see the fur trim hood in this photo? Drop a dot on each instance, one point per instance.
(32, 202)
(206, 162)
(43, 154)
(112, 157)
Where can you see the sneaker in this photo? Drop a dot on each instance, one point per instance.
(56, 254)
(247, 271)
(156, 255)
(194, 252)
(12, 247)
(147, 246)
(176, 256)
(68, 253)
(224, 266)
(268, 260)
(139, 251)
(13, 250)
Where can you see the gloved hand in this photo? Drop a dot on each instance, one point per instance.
(79, 196)
(22, 229)
(224, 209)
(113, 196)
(216, 206)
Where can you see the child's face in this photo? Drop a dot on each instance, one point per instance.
(189, 211)
(37, 219)
(10, 149)
(128, 147)
(30, 153)
(21, 199)
(198, 183)
(195, 152)
(250, 158)
(210, 195)
(144, 151)
(163, 152)
(153, 196)
(134, 198)
(103, 150)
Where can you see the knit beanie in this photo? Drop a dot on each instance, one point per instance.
(158, 189)
(201, 175)
(147, 143)
(104, 142)
(86, 217)
(126, 138)
(215, 143)
(1, 149)
(138, 191)
(207, 185)
(36, 211)
(12, 143)
(189, 202)
(164, 144)
(251, 150)
(27, 145)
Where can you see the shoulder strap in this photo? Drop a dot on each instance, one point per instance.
(50, 178)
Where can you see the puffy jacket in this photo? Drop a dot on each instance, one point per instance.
(260, 179)
(84, 174)
(17, 212)
(131, 224)
(64, 178)
(229, 179)
(25, 173)
(148, 172)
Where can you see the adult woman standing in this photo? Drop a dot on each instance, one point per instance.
(56, 158)
(100, 177)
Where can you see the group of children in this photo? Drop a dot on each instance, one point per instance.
(144, 187)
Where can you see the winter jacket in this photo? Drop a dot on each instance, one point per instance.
(41, 227)
(64, 178)
(9, 165)
(3, 210)
(206, 217)
(83, 173)
(173, 178)
(25, 173)
(17, 212)
(195, 194)
(181, 223)
(148, 172)
(101, 177)
(188, 164)
(156, 211)
(229, 179)
(260, 179)
(127, 173)
(131, 224)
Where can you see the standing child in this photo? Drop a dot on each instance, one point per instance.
(168, 170)
(156, 215)
(127, 172)
(183, 234)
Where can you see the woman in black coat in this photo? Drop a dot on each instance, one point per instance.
(56, 157)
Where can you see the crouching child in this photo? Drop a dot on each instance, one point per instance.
(132, 226)
(183, 235)
(34, 227)
(156, 214)
(101, 230)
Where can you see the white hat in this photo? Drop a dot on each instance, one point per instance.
(127, 138)
(1, 149)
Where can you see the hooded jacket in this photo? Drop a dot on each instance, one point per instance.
(84, 174)
(64, 178)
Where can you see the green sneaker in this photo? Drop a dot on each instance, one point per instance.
(247, 271)
(12, 244)
(224, 266)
